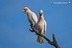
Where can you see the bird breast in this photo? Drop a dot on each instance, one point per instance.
(41, 24)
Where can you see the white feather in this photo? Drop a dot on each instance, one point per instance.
(41, 26)
(32, 17)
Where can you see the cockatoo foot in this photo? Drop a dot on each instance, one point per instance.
(31, 30)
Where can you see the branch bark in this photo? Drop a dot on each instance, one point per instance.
(53, 42)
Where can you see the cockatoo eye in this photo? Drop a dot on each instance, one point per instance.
(25, 10)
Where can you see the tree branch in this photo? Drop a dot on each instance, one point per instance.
(53, 43)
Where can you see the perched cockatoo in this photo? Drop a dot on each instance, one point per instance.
(32, 17)
(41, 26)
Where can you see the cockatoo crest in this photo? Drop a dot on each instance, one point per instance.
(41, 12)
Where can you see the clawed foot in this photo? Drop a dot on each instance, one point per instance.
(31, 30)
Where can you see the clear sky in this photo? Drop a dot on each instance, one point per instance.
(14, 25)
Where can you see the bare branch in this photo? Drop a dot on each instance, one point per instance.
(53, 43)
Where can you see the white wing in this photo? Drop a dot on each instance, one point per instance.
(45, 26)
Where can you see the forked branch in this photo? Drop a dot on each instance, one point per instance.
(53, 42)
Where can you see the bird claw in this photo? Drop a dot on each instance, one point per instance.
(31, 30)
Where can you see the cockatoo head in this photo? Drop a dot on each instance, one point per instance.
(26, 9)
(41, 12)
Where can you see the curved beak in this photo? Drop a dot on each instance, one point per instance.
(40, 14)
(25, 10)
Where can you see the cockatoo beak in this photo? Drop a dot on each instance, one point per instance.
(25, 10)
(40, 14)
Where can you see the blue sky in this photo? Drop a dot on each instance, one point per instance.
(14, 26)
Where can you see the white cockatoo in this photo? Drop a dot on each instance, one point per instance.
(32, 17)
(41, 26)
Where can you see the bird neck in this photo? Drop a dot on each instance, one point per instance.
(29, 11)
(41, 18)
